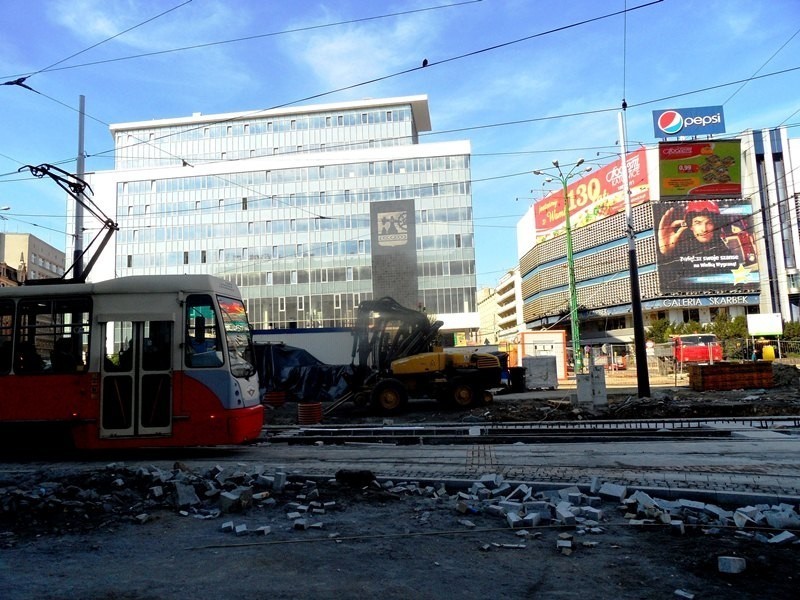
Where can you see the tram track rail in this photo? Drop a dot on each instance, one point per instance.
(530, 432)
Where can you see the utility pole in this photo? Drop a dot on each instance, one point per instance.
(577, 353)
(77, 253)
(640, 350)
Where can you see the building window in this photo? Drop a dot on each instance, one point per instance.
(130, 261)
(269, 278)
(458, 240)
(244, 203)
(349, 275)
(202, 256)
(186, 258)
(301, 303)
(293, 277)
(281, 304)
(340, 119)
(337, 301)
(692, 314)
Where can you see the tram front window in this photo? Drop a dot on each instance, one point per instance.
(237, 334)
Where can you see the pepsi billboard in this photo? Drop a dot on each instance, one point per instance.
(675, 122)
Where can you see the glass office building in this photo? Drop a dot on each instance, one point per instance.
(309, 210)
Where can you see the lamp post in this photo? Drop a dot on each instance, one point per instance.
(564, 178)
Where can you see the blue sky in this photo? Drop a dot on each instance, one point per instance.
(521, 79)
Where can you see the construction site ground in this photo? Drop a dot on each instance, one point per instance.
(78, 526)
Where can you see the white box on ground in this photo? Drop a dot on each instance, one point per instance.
(592, 387)
(540, 372)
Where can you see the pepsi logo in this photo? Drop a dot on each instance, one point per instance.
(670, 122)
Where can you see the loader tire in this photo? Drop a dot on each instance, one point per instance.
(389, 396)
(463, 394)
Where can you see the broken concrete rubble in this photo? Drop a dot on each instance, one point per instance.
(134, 494)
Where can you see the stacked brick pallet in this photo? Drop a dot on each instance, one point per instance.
(730, 376)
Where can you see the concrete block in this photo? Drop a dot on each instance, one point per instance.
(691, 504)
(495, 510)
(491, 481)
(643, 499)
(731, 564)
(521, 493)
(513, 520)
(531, 519)
(677, 526)
(564, 515)
(592, 513)
(718, 512)
(782, 538)
(229, 502)
(501, 490)
(227, 526)
(510, 506)
(782, 519)
(684, 594)
(301, 524)
(612, 490)
(564, 493)
(185, 495)
(264, 529)
(241, 529)
(575, 498)
(279, 481)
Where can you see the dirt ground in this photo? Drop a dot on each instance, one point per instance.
(372, 544)
(83, 534)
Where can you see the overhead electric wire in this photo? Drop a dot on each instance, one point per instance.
(108, 39)
(235, 40)
(426, 65)
(766, 62)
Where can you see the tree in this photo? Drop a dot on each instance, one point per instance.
(659, 331)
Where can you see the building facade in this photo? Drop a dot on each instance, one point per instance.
(31, 257)
(309, 210)
(760, 230)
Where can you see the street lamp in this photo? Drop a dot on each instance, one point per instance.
(573, 294)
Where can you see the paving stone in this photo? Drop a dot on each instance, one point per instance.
(731, 564)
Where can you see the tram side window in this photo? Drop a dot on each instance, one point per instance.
(6, 334)
(202, 345)
(52, 335)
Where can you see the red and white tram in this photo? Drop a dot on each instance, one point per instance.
(141, 361)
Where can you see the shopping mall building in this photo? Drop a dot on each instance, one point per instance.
(744, 189)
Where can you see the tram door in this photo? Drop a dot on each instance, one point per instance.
(136, 382)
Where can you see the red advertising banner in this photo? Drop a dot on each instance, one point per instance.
(593, 197)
